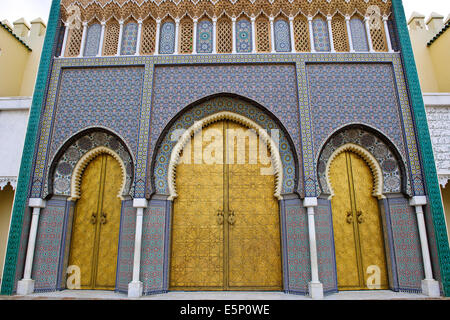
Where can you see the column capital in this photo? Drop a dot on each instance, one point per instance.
(347, 18)
(329, 18)
(140, 21)
(214, 19)
(36, 203)
(310, 18)
(310, 202)
(418, 201)
(253, 19)
(195, 20)
(385, 18)
(158, 21)
(177, 21)
(291, 18)
(121, 22)
(85, 24)
(233, 19)
(271, 19)
(140, 203)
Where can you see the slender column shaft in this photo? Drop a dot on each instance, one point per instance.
(311, 35)
(66, 35)
(330, 32)
(119, 45)
(253, 19)
(272, 35)
(369, 37)
(177, 35)
(233, 31)
(313, 245)
(102, 38)
(215, 37)
(194, 38)
(349, 32)
(424, 243)
(139, 40)
(158, 31)
(291, 28)
(388, 36)
(83, 39)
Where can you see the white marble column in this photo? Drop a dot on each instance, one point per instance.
(214, 20)
(430, 287)
(83, 40)
(388, 36)
(139, 40)
(158, 31)
(119, 45)
(311, 34)
(330, 32)
(291, 28)
(194, 37)
(102, 39)
(253, 19)
(26, 285)
(135, 287)
(349, 32)
(66, 35)
(272, 35)
(369, 37)
(315, 286)
(177, 36)
(233, 31)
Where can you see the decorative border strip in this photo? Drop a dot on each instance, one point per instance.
(423, 135)
(31, 138)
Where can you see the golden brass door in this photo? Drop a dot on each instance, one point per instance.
(357, 225)
(225, 228)
(96, 224)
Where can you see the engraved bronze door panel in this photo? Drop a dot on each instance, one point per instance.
(357, 225)
(95, 232)
(225, 228)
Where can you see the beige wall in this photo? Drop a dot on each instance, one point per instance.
(440, 55)
(6, 202)
(13, 60)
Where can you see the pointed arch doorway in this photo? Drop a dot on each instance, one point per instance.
(357, 224)
(96, 223)
(225, 225)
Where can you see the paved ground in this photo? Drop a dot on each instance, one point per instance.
(108, 295)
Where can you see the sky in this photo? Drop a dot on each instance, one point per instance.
(32, 9)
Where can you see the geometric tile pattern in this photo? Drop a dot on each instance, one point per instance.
(282, 36)
(359, 35)
(48, 250)
(90, 97)
(126, 246)
(205, 36)
(320, 32)
(362, 94)
(62, 175)
(213, 106)
(243, 36)
(129, 39)
(92, 40)
(272, 86)
(325, 246)
(297, 239)
(408, 257)
(385, 158)
(153, 246)
(167, 40)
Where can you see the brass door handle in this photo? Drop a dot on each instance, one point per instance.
(359, 216)
(231, 217)
(103, 218)
(219, 217)
(93, 218)
(349, 217)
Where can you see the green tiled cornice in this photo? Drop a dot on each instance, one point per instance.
(423, 135)
(9, 272)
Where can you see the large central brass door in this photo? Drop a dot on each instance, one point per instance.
(357, 226)
(95, 232)
(225, 228)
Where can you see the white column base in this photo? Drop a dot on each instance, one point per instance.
(431, 288)
(25, 287)
(135, 289)
(315, 290)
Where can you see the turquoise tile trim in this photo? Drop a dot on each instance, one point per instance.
(9, 272)
(423, 135)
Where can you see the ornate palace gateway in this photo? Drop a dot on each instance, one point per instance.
(227, 145)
